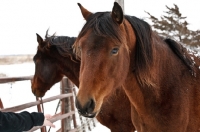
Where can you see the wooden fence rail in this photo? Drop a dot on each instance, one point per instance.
(37, 103)
(13, 79)
(31, 104)
(67, 113)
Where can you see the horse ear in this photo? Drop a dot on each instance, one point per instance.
(39, 39)
(117, 13)
(84, 12)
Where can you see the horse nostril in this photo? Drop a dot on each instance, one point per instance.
(87, 108)
(90, 106)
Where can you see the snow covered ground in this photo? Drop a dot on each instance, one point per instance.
(100, 128)
(18, 93)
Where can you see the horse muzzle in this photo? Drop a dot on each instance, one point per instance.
(87, 109)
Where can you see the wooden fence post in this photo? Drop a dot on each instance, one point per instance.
(73, 104)
(67, 105)
(121, 3)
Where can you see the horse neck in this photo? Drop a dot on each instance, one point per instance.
(71, 70)
(70, 67)
(168, 75)
(167, 59)
(164, 59)
(130, 43)
(168, 64)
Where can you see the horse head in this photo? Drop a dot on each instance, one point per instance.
(47, 71)
(103, 48)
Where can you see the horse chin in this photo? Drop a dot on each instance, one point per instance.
(38, 93)
(89, 115)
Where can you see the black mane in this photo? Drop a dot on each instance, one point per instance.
(62, 43)
(144, 46)
(180, 51)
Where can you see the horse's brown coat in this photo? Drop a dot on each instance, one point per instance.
(160, 77)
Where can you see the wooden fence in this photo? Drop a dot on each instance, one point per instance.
(68, 113)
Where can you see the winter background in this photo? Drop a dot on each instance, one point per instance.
(20, 21)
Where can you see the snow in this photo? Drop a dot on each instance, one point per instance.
(100, 128)
(17, 93)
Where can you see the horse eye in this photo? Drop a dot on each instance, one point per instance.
(114, 51)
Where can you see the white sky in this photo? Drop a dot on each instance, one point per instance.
(20, 20)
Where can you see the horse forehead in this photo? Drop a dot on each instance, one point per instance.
(41, 60)
(95, 42)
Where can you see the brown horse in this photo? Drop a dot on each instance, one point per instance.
(54, 59)
(160, 77)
